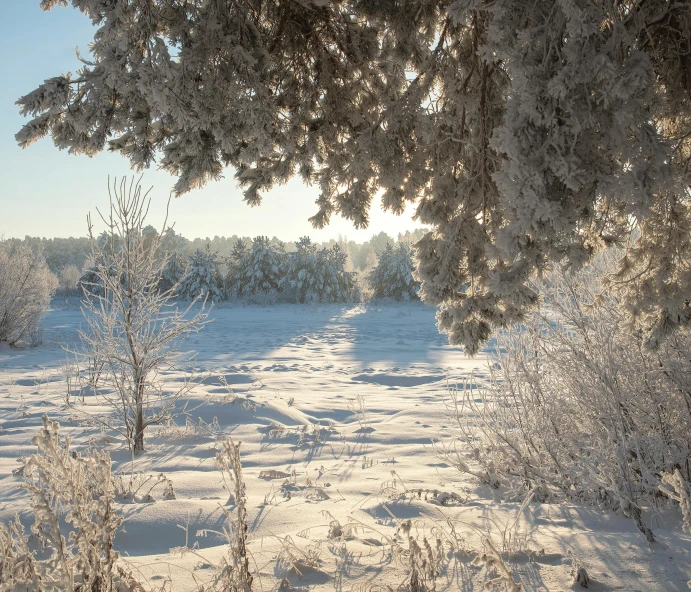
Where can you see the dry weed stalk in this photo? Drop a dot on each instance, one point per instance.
(79, 490)
(234, 574)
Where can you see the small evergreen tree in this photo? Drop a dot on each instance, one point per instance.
(173, 271)
(338, 285)
(260, 269)
(172, 242)
(91, 281)
(203, 277)
(238, 257)
(393, 275)
(313, 275)
(300, 281)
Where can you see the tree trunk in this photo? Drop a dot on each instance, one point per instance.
(139, 421)
(139, 432)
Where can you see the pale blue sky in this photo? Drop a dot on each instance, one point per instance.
(46, 192)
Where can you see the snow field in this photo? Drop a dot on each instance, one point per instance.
(336, 408)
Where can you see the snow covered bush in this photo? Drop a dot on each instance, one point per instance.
(675, 487)
(393, 275)
(68, 281)
(580, 409)
(133, 328)
(312, 275)
(69, 488)
(259, 270)
(202, 277)
(26, 287)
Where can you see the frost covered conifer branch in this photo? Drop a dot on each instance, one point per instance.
(527, 134)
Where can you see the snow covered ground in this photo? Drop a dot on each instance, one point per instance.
(337, 408)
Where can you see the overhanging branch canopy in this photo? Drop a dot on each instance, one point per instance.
(527, 133)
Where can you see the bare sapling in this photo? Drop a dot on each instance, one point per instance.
(134, 328)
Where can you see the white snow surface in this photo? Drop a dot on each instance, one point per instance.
(302, 367)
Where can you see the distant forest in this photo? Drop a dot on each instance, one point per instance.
(68, 258)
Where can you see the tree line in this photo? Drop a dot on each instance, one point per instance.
(69, 258)
(33, 270)
(265, 270)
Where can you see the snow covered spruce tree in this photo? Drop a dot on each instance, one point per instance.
(173, 271)
(259, 270)
(133, 328)
(527, 133)
(172, 247)
(238, 257)
(203, 278)
(393, 275)
(313, 275)
(338, 284)
(90, 281)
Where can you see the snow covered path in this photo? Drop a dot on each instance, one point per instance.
(337, 408)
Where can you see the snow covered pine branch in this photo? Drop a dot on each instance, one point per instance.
(527, 133)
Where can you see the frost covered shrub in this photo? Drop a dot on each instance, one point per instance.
(675, 487)
(313, 275)
(393, 275)
(134, 329)
(26, 287)
(203, 278)
(580, 408)
(259, 269)
(68, 281)
(65, 488)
